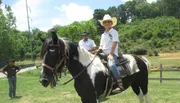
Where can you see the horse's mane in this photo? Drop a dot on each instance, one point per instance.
(85, 56)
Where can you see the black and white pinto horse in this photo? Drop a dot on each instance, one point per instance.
(94, 82)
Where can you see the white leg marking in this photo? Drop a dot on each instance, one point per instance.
(98, 101)
(147, 98)
(140, 97)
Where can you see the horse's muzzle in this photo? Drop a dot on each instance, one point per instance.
(44, 82)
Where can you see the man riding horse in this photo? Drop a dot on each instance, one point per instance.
(109, 45)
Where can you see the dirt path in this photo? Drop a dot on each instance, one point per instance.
(175, 55)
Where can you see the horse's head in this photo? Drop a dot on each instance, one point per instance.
(53, 54)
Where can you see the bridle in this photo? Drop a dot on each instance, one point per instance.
(59, 44)
(51, 68)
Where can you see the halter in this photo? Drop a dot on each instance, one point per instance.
(51, 68)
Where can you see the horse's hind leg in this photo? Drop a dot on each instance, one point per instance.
(138, 92)
(144, 89)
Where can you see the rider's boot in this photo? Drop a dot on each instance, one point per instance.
(119, 87)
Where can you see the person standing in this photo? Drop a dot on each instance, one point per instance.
(109, 45)
(87, 43)
(10, 70)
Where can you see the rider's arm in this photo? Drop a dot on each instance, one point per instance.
(113, 47)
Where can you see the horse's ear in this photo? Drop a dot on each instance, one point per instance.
(54, 37)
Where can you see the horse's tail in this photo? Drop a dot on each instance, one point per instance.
(147, 62)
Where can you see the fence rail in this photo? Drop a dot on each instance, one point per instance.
(161, 74)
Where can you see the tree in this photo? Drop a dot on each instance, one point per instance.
(143, 10)
(169, 7)
(74, 30)
(7, 27)
(140, 0)
(98, 15)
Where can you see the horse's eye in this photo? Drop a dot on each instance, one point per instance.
(51, 50)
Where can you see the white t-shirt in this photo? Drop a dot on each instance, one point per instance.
(88, 45)
(107, 39)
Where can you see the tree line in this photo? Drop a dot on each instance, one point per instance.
(143, 28)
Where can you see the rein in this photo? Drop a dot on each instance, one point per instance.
(85, 68)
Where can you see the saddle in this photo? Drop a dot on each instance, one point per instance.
(121, 63)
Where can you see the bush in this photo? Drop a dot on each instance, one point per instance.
(150, 32)
(138, 50)
(156, 53)
(150, 53)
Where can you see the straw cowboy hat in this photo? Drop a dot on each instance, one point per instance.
(107, 17)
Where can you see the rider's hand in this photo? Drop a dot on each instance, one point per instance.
(111, 57)
(98, 50)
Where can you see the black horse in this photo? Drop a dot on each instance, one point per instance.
(92, 80)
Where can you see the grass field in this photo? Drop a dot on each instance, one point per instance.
(30, 90)
(168, 60)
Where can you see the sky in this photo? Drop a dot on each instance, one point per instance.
(44, 14)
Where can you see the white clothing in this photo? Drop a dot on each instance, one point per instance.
(107, 39)
(88, 45)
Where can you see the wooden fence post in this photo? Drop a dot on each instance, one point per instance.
(161, 70)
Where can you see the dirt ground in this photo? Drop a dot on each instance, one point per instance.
(175, 55)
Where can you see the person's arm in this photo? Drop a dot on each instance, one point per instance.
(101, 44)
(113, 47)
(112, 50)
(115, 40)
(93, 47)
(17, 69)
(3, 70)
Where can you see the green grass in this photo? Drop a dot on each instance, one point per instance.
(156, 61)
(32, 91)
(26, 62)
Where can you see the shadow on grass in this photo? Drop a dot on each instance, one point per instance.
(18, 97)
(115, 92)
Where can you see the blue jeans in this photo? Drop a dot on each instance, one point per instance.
(113, 67)
(12, 86)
